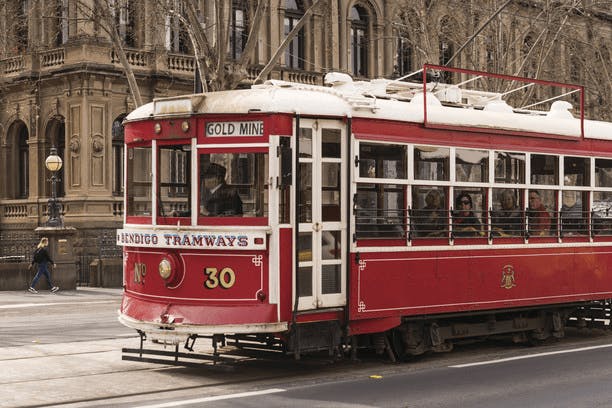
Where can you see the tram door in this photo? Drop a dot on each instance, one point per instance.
(321, 282)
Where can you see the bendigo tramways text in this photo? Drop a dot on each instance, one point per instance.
(307, 218)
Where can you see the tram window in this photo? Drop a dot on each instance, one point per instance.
(305, 192)
(541, 213)
(603, 173)
(330, 143)
(469, 218)
(286, 178)
(431, 163)
(507, 214)
(174, 181)
(139, 181)
(544, 169)
(574, 213)
(577, 171)
(330, 194)
(430, 215)
(305, 142)
(380, 211)
(472, 165)
(602, 213)
(509, 167)
(234, 184)
(382, 161)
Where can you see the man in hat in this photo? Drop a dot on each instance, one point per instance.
(218, 198)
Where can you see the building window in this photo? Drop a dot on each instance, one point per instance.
(177, 37)
(118, 157)
(404, 56)
(23, 163)
(359, 41)
(294, 54)
(58, 26)
(239, 31)
(20, 27)
(123, 13)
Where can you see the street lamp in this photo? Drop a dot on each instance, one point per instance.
(53, 163)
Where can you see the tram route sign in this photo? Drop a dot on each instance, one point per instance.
(236, 240)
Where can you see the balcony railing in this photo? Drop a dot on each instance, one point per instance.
(52, 58)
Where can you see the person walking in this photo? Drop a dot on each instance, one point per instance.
(42, 259)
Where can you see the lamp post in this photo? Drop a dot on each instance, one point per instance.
(53, 163)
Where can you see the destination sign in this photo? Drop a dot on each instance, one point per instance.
(192, 239)
(228, 129)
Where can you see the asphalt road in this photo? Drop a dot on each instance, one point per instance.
(65, 349)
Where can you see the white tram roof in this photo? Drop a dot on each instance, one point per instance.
(381, 99)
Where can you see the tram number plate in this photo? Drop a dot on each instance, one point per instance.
(225, 278)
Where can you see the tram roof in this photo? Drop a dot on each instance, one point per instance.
(447, 105)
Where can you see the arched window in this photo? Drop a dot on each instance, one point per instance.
(123, 12)
(529, 64)
(294, 54)
(23, 162)
(177, 37)
(118, 141)
(359, 40)
(239, 29)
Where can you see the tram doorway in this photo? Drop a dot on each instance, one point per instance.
(321, 280)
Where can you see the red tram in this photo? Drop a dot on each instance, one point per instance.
(388, 214)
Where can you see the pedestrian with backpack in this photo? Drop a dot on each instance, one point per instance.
(42, 258)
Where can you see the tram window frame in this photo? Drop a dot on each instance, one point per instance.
(373, 218)
(427, 219)
(547, 167)
(442, 163)
(383, 161)
(574, 212)
(603, 172)
(505, 222)
(479, 198)
(576, 171)
(509, 167)
(549, 199)
(466, 165)
(134, 183)
(601, 210)
(254, 193)
(174, 161)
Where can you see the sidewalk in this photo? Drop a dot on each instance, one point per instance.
(17, 297)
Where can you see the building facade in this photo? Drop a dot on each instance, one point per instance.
(63, 85)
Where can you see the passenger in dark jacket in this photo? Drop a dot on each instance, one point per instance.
(465, 223)
(218, 198)
(42, 259)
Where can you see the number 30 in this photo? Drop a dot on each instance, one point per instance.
(226, 278)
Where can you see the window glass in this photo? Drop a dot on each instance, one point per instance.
(429, 217)
(507, 215)
(472, 165)
(305, 142)
(174, 181)
(577, 171)
(234, 184)
(602, 212)
(330, 194)
(139, 181)
(380, 211)
(603, 173)
(509, 167)
(382, 161)
(574, 212)
(544, 169)
(330, 143)
(305, 193)
(469, 218)
(541, 213)
(431, 163)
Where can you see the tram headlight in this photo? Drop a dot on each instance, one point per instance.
(165, 268)
(157, 128)
(185, 126)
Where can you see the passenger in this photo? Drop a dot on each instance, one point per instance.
(432, 220)
(507, 221)
(539, 218)
(219, 199)
(572, 217)
(465, 223)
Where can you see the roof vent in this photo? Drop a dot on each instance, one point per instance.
(560, 110)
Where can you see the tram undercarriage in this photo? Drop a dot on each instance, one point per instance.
(415, 336)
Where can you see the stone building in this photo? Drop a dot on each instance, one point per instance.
(62, 84)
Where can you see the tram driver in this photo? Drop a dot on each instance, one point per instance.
(218, 199)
